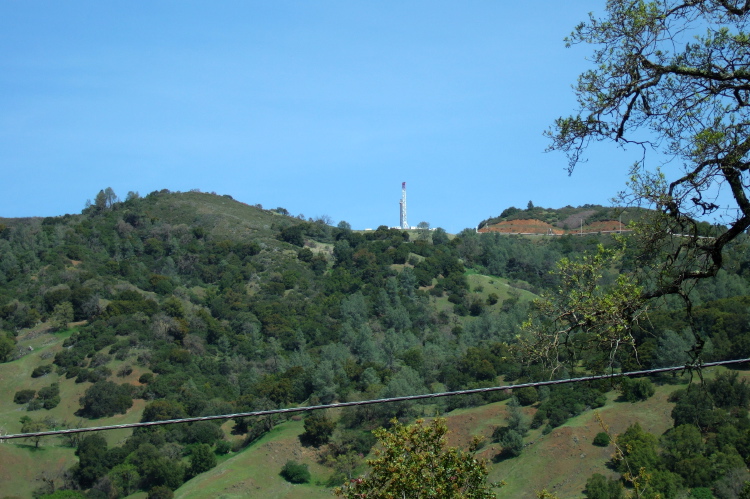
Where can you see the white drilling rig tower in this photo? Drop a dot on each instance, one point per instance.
(402, 206)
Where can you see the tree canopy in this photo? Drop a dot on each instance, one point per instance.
(415, 461)
(671, 77)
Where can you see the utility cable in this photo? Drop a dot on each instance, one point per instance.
(291, 410)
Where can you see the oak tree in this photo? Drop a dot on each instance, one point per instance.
(415, 461)
(669, 77)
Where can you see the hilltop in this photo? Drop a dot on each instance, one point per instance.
(588, 218)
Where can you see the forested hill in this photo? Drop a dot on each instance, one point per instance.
(190, 304)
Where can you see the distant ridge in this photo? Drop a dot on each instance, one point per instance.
(568, 220)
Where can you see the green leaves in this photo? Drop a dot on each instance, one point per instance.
(690, 106)
(415, 462)
(589, 318)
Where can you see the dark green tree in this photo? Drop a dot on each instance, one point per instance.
(24, 396)
(599, 487)
(439, 236)
(7, 347)
(91, 454)
(634, 390)
(638, 450)
(202, 459)
(601, 439)
(318, 429)
(295, 472)
(105, 398)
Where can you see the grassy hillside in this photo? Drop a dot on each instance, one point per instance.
(560, 461)
(190, 304)
(22, 461)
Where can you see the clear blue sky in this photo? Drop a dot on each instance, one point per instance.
(321, 107)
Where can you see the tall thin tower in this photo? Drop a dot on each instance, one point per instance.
(402, 206)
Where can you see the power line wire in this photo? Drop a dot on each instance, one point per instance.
(291, 410)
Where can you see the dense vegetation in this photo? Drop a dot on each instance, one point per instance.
(222, 307)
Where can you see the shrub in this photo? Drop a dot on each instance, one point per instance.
(24, 396)
(51, 403)
(634, 390)
(223, 447)
(295, 472)
(160, 492)
(50, 396)
(34, 405)
(526, 396)
(41, 371)
(601, 439)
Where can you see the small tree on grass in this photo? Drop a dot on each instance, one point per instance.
(601, 439)
(160, 492)
(415, 461)
(634, 390)
(29, 425)
(295, 472)
(7, 347)
(61, 316)
(24, 396)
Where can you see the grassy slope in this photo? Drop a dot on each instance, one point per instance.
(561, 461)
(487, 284)
(498, 285)
(564, 459)
(254, 472)
(223, 216)
(20, 462)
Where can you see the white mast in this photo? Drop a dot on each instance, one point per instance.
(402, 206)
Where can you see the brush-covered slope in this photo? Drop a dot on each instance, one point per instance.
(190, 304)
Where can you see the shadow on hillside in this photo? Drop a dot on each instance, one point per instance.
(502, 456)
(31, 447)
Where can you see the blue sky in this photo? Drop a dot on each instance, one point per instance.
(322, 108)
